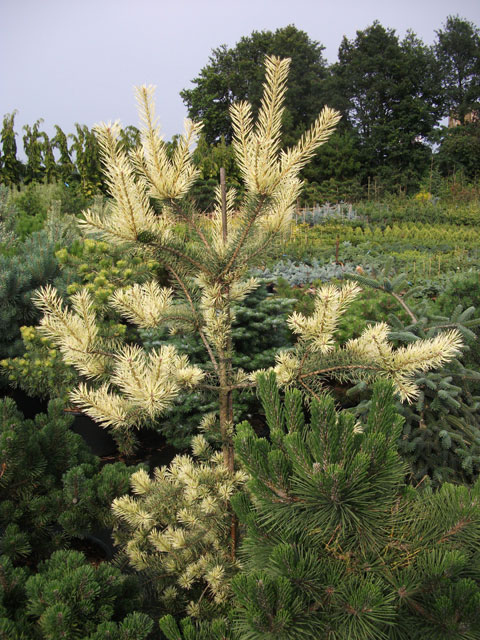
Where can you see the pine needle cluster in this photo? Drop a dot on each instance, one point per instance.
(336, 546)
(175, 529)
(317, 357)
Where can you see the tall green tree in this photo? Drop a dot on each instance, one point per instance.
(237, 74)
(10, 166)
(458, 53)
(393, 95)
(65, 166)
(460, 151)
(87, 159)
(49, 163)
(130, 138)
(33, 147)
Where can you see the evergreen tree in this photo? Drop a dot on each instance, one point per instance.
(459, 151)
(393, 95)
(51, 488)
(441, 434)
(69, 597)
(237, 74)
(336, 546)
(208, 262)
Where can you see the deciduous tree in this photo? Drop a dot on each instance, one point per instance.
(237, 74)
(458, 52)
(394, 98)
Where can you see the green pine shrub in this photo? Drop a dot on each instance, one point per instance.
(33, 264)
(13, 600)
(464, 289)
(51, 487)
(70, 598)
(336, 545)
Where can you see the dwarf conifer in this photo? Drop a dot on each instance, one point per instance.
(336, 546)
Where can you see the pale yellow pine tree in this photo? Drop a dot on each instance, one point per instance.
(126, 387)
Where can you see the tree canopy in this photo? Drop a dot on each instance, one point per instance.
(393, 97)
(458, 53)
(237, 74)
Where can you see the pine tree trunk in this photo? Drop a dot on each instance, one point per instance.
(225, 395)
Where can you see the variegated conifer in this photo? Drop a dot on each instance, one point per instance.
(209, 269)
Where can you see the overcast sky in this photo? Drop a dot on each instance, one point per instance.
(70, 61)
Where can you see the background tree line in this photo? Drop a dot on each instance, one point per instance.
(393, 94)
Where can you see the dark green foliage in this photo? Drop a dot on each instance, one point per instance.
(189, 630)
(334, 174)
(69, 598)
(458, 52)
(336, 546)
(13, 624)
(237, 74)
(64, 167)
(87, 494)
(34, 456)
(463, 289)
(87, 160)
(441, 434)
(51, 487)
(10, 166)
(459, 151)
(391, 91)
(33, 149)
